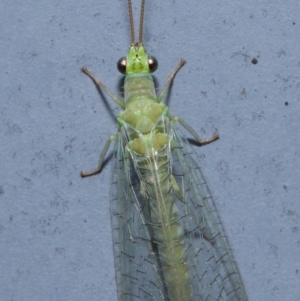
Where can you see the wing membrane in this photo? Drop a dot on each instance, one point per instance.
(213, 271)
(215, 274)
(136, 272)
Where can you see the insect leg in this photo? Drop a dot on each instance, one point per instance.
(99, 83)
(171, 77)
(194, 134)
(101, 159)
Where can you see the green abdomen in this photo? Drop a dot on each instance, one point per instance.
(151, 155)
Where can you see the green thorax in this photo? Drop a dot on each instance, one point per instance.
(138, 82)
(141, 107)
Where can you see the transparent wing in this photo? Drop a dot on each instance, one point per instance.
(136, 274)
(215, 275)
(213, 272)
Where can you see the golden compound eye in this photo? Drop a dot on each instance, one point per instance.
(153, 64)
(122, 65)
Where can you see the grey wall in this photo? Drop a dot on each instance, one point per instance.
(55, 233)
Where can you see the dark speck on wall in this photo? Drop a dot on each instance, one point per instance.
(254, 61)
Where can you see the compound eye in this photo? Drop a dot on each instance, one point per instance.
(122, 65)
(153, 64)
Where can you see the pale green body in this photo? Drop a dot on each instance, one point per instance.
(150, 151)
(168, 239)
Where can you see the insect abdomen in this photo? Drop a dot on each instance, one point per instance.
(151, 155)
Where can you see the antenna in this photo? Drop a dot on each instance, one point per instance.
(131, 22)
(142, 22)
